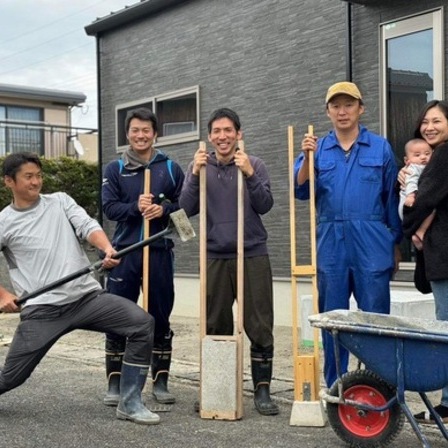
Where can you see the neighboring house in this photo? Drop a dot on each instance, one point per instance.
(39, 120)
(272, 61)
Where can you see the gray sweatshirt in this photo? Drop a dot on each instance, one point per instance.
(41, 246)
(222, 207)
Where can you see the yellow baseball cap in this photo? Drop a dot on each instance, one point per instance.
(343, 88)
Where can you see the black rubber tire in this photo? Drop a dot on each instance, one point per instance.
(365, 429)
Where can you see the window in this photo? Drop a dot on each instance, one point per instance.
(412, 70)
(2, 131)
(177, 115)
(15, 135)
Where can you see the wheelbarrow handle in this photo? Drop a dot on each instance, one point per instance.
(94, 266)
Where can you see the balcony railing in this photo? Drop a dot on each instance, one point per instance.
(45, 139)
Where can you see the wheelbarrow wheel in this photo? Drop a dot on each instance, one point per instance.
(359, 428)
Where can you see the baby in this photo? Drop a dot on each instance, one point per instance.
(417, 155)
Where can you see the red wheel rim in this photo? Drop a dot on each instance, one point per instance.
(364, 423)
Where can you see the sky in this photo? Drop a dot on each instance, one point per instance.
(43, 44)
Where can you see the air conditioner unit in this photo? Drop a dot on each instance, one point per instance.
(179, 127)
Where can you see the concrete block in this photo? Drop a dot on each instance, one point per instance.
(405, 303)
(218, 376)
(308, 413)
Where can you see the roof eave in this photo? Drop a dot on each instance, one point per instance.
(36, 94)
(128, 14)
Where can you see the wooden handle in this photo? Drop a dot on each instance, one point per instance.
(146, 254)
(311, 171)
(292, 230)
(203, 246)
(240, 285)
(312, 205)
(314, 288)
(240, 246)
(306, 368)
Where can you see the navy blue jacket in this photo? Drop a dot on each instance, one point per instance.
(120, 192)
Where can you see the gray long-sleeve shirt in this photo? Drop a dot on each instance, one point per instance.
(40, 246)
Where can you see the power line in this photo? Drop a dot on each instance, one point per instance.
(52, 23)
(87, 78)
(39, 45)
(87, 81)
(44, 60)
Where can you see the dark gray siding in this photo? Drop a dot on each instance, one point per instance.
(269, 60)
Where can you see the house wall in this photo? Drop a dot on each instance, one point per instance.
(52, 113)
(89, 143)
(57, 115)
(56, 142)
(271, 61)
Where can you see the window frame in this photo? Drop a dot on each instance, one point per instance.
(429, 19)
(153, 101)
(432, 19)
(11, 126)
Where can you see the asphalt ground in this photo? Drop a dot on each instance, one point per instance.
(61, 404)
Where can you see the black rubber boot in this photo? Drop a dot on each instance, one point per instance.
(161, 361)
(261, 376)
(113, 372)
(131, 407)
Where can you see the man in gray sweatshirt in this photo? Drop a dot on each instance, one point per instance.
(39, 239)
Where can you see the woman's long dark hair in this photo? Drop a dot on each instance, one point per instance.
(441, 104)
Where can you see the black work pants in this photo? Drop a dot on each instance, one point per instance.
(42, 325)
(258, 300)
(125, 280)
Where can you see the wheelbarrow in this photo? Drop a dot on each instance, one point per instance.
(366, 407)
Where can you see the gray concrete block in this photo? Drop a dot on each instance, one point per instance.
(308, 413)
(218, 375)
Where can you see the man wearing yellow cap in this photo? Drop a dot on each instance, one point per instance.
(358, 227)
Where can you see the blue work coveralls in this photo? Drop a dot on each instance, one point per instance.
(357, 227)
